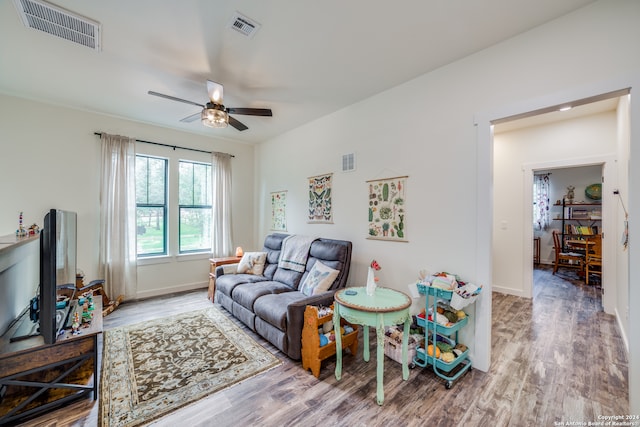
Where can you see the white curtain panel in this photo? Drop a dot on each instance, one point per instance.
(541, 202)
(221, 176)
(117, 255)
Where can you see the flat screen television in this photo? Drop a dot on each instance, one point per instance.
(57, 267)
(58, 241)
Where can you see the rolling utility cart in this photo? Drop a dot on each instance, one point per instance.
(435, 332)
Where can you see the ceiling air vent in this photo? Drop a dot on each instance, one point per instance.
(59, 22)
(244, 25)
(348, 162)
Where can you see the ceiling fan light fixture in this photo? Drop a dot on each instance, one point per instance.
(214, 117)
(213, 113)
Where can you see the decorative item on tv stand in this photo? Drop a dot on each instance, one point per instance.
(97, 286)
(21, 231)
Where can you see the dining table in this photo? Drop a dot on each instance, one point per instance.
(580, 245)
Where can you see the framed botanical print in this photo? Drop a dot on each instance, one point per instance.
(279, 210)
(387, 212)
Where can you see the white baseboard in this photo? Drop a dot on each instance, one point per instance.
(164, 291)
(508, 291)
(622, 331)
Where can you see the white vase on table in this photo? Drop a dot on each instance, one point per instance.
(371, 282)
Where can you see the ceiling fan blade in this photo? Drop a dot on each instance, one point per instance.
(265, 112)
(236, 124)
(191, 118)
(173, 98)
(215, 91)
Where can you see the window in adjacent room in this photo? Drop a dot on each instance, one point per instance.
(194, 206)
(541, 201)
(151, 205)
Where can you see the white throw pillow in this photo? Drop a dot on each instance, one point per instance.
(252, 263)
(319, 279)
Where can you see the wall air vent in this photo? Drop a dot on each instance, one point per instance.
(244, 25)
(59, 22)
(348, 162)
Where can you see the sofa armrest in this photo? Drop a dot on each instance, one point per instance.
(221, 270)
(295, 320)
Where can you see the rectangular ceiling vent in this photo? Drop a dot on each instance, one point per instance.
(59, 22)
(244, 25)
(348, 162)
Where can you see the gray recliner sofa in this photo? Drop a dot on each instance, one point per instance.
(271, 304)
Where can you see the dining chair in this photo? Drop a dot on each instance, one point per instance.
(593, 258)
(565, 259)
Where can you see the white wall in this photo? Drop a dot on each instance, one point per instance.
(19, 278)
(53, 162)
(621, 201)
(428, 133)
(560, 142)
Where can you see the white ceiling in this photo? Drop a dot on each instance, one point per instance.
(308, 60)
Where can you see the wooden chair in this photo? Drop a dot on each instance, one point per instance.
(565, 259)
(593, 258)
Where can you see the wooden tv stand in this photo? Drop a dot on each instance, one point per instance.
(36, 377)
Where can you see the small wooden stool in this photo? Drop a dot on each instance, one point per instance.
(536, 250)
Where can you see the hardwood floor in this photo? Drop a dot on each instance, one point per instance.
(556, 358)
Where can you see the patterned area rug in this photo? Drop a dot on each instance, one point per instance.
(152, 368)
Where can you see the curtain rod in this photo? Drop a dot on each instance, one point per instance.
(174, 146)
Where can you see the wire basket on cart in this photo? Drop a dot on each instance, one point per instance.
(464, 295)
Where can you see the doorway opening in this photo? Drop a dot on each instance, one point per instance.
(585, 137)
(567, 222)
(487, 177)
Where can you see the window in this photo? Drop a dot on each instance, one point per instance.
(194, 206)
(173, 194)
(151, 205)
(541, 201)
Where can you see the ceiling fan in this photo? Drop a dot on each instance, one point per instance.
(214, 114)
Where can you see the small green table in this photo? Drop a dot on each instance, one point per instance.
(386, 307)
